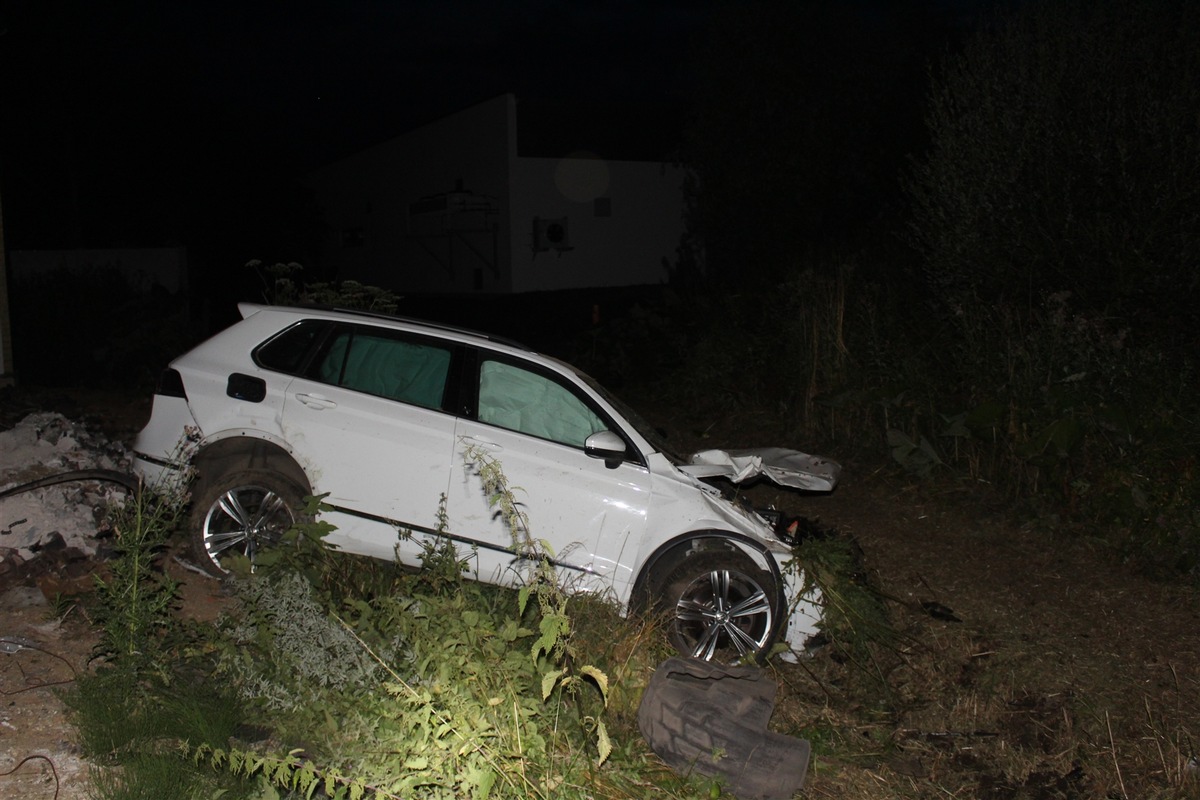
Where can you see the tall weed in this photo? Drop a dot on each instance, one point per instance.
(148, 695)
(136, 600)
(428, 685)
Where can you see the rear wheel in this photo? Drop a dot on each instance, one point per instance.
(720, 607)
(240, 514)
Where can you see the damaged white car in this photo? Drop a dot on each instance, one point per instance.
(384, 416)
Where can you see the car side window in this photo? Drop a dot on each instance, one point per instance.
(528, 402)
(385, 365)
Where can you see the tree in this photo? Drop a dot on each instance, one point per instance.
(804, 115)
(1065, 156)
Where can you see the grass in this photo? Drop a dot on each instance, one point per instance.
(1009, 702)
(447, 688)
(132, 732)
(1061, 675)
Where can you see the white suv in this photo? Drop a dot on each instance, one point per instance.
(382, 415)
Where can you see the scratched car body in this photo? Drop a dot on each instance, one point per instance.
(383, 416)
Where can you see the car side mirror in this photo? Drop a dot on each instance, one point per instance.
(606, 445)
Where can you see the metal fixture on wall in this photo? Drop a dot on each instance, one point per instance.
(551, 234)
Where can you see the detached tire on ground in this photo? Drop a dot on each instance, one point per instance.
(240, 513)
(720, 606)
(712, 719)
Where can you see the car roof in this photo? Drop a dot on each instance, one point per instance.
(355, 314)
(466, 336)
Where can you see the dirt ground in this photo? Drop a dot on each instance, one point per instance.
(43, 644)
(1066, 675)
(1063, 674)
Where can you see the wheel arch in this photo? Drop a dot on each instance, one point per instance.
(236, 453)
(674, 551)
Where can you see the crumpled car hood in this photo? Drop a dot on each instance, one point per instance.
(784, 467)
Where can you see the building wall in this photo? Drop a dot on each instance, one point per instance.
(623, 221)
(366, 200)
(395, 216)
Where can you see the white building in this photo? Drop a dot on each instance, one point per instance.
(451, 207)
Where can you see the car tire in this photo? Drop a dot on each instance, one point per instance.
(240, 513)
(712, 719)
(720, 606)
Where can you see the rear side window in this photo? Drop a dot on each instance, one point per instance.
(287, 351)
(385, 364)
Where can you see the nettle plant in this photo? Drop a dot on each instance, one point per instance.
(552, 651)
(412, 684)
(137, 598)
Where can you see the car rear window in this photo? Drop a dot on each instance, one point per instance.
(287, 351)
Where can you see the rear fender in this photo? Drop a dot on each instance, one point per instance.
(247, 450)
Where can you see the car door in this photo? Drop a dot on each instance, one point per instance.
(533, 421)
(366, 421)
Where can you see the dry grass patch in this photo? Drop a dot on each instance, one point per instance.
(1067, 675)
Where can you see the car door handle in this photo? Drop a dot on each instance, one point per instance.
(315, 401)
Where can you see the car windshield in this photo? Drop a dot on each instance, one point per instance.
(654, 436)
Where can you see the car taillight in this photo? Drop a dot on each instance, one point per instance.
(170, 384)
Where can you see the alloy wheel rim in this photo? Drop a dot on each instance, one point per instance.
(243, 520)
(724, 609)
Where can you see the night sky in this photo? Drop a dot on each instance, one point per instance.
(125, 123)
(144, 123)
(181, 123)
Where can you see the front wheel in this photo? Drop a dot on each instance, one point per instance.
(240, 514)
(720, 607)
